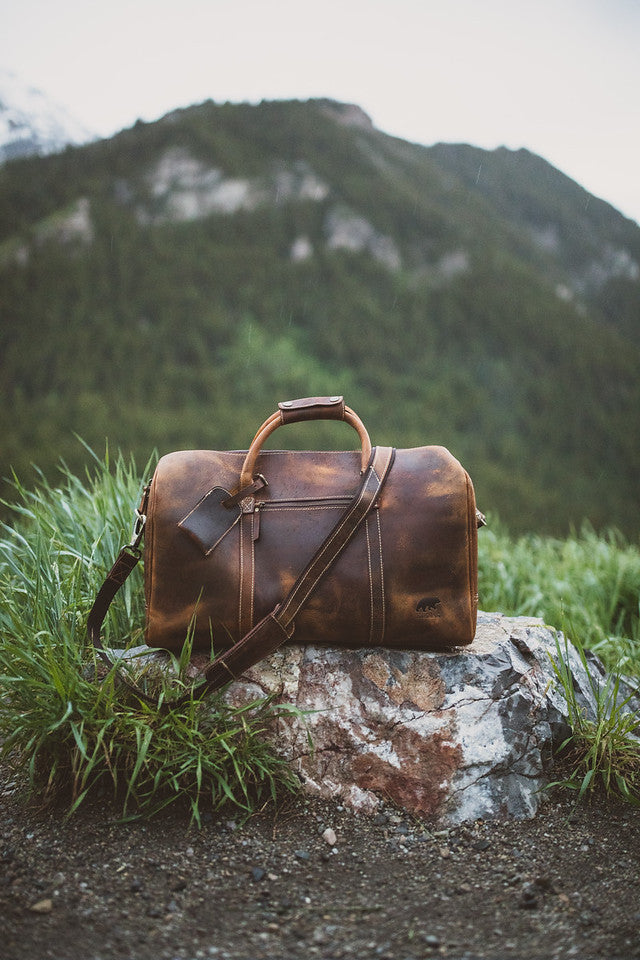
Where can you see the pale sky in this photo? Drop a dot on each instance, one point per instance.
(560, 77)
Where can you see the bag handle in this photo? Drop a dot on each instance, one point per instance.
(298, 411)
(278, 626)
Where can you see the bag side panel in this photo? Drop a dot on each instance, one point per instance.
(181, 581)
(428, 551)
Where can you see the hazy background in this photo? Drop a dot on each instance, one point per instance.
(560, 78)
(464, 295)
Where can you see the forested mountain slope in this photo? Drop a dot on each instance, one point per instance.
(167, 287)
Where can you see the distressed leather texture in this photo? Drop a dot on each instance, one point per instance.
(407, 578)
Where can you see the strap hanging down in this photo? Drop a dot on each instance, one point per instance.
(278, 626)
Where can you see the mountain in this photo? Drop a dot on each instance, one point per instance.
(30, 123)
(165, 288)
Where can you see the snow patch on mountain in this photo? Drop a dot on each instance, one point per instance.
(31, 123)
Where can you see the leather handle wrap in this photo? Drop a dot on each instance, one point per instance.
(312, 408)
(298, 411)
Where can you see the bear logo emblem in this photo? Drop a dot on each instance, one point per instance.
(428, 604)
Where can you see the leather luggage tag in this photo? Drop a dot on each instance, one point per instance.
(209, 522)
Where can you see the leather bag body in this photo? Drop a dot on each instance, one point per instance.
(228, 533)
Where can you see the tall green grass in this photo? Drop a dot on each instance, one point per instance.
(76, 734)
(603, 749)
(587, 585)
(75, 731)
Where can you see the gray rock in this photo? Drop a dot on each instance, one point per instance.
(452, 736)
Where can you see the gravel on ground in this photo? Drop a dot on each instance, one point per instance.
(314, 880)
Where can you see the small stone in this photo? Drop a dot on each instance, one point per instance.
(42, 906)
(481, 845)
(528, 899)
(431, 941)
(302, 855)
(258, 874)
(329, 837)
(543, 883)
(320, 935)
(444, 852)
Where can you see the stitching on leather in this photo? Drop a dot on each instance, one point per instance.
(366, 527)
(337, 532)
(356, 505)
(472, 550)
(347, 518)
(339, 500)
(220, 539)
(253, 571)
(241, 579)
(384, 611)
(149, 599)
(233, 651)
(328, 543)
(328, 506)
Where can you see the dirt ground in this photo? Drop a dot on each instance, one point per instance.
(566, 884)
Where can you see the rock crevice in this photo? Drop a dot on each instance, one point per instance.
(453, 736)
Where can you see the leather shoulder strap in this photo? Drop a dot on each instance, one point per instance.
(278, 626)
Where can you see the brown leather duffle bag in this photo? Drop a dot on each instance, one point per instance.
(248, 549)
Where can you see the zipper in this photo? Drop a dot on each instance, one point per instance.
(302, 503)
(256, 519)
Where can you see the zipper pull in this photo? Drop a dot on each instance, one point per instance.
(256, 519)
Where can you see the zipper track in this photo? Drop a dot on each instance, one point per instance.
(299, 503)
(294, 505)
